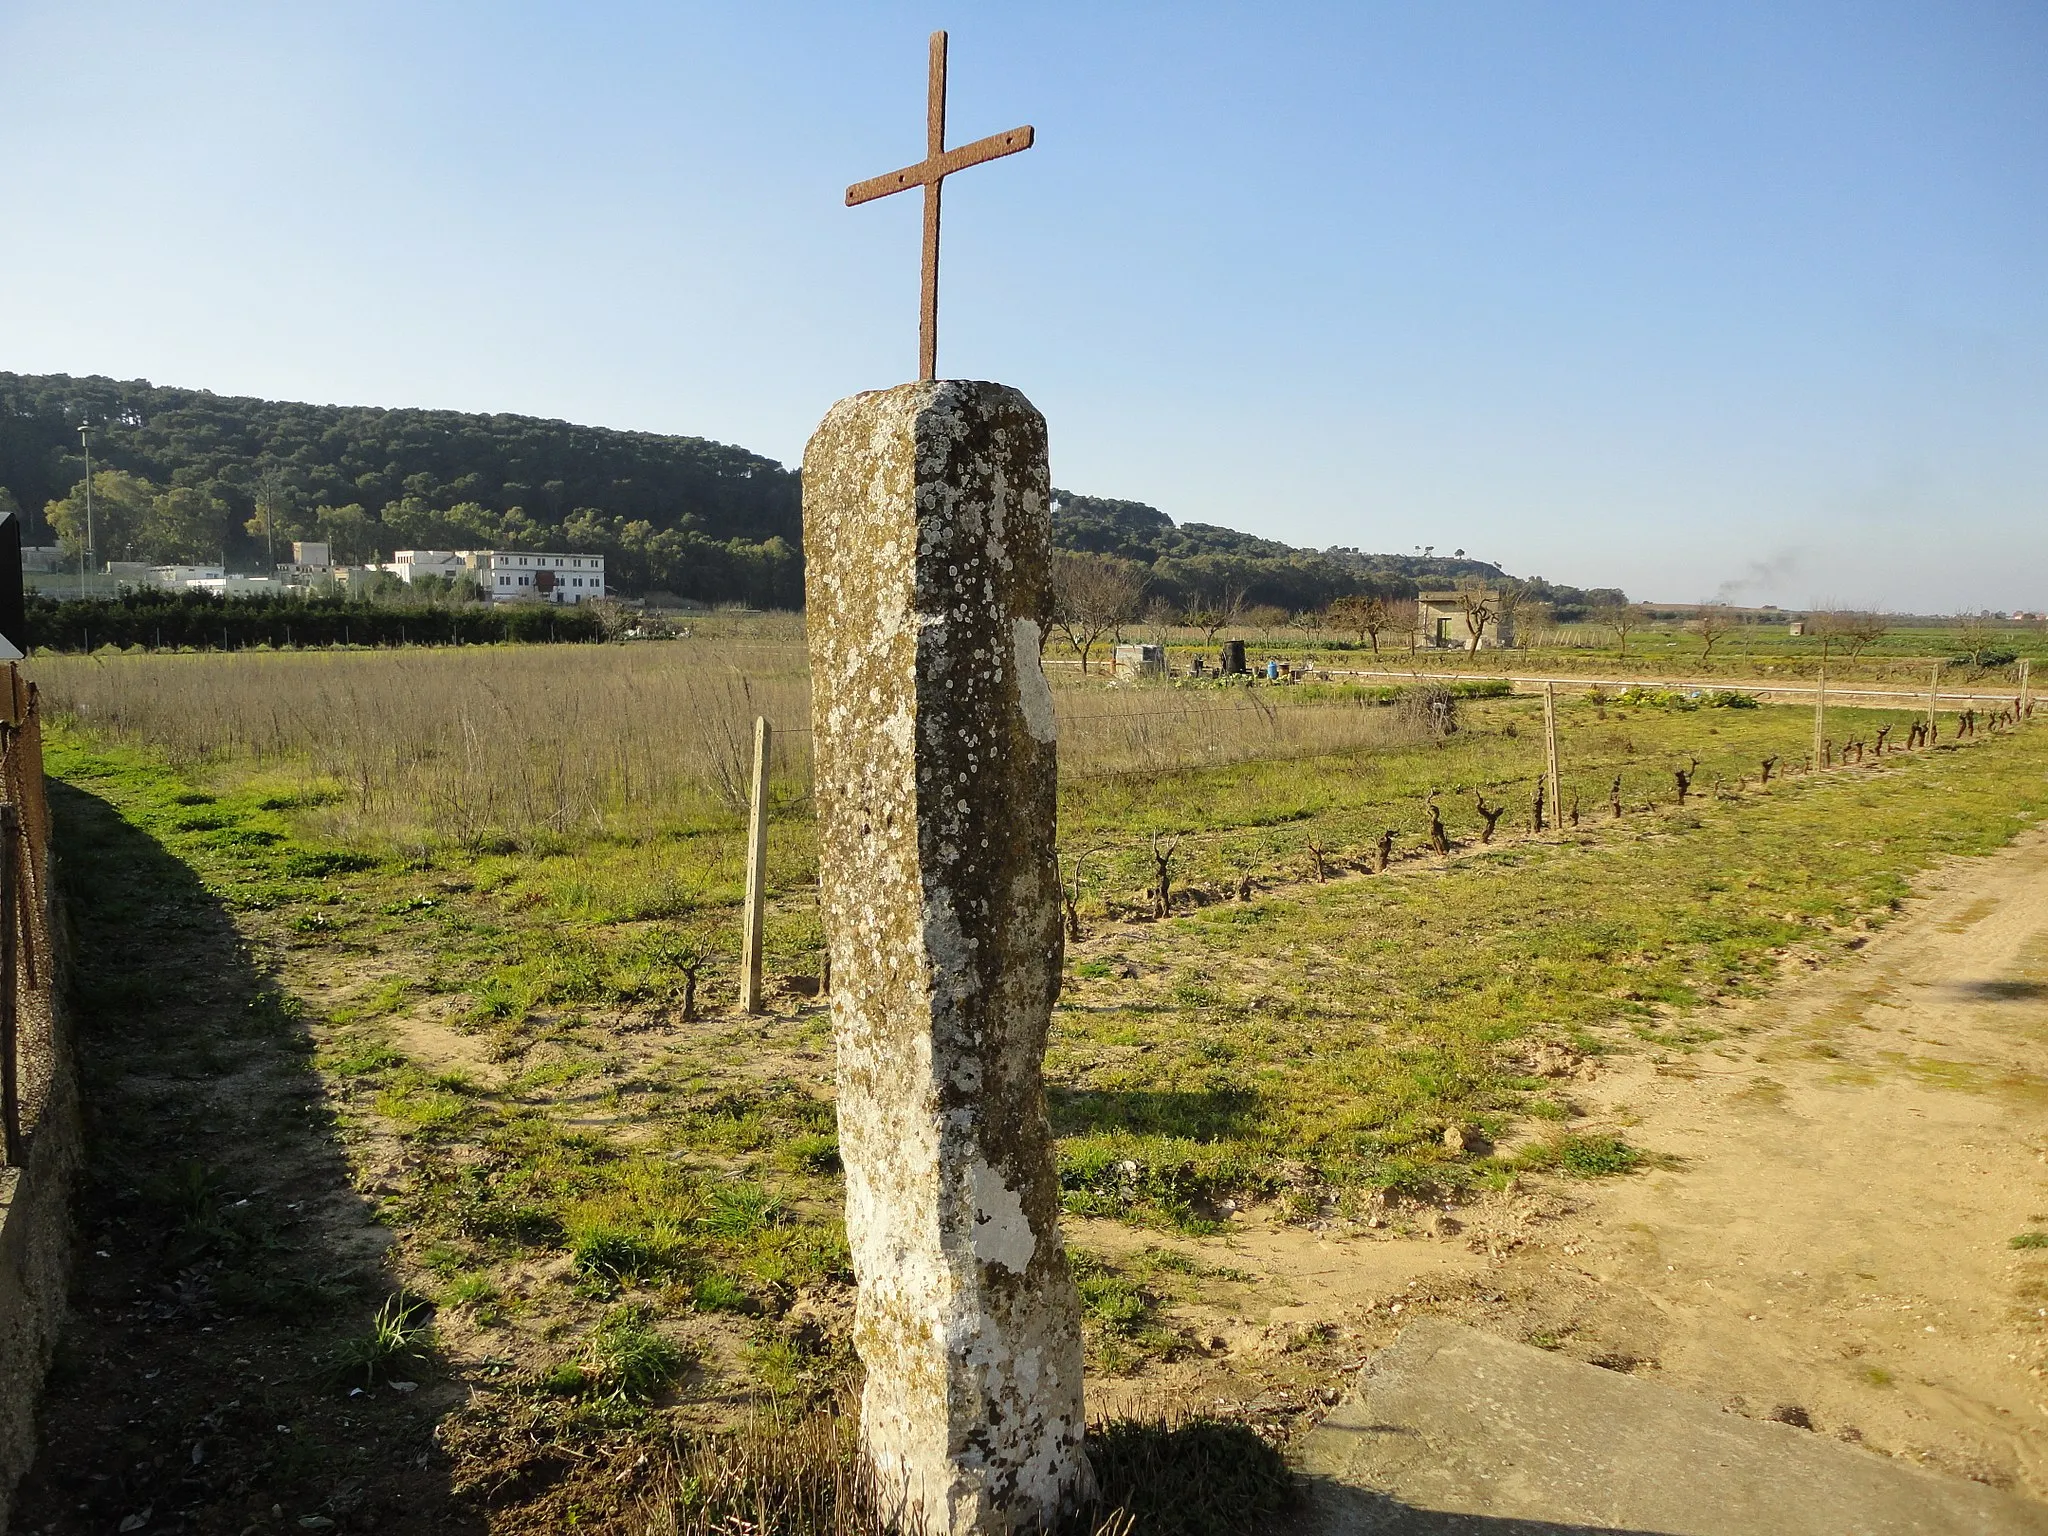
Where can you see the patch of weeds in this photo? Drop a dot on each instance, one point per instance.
(491, 1000)
(629, 1358)
(817, 1153)
(779, 1363)
(1179, 1183)
(1876, 1375)
(2029, 1240)
(720, 1293)
(1120, 1315)
(476, 1295)
(397, 1343)
(614, 1253)
(1584, 1156)
(564, 1379)
(423, 1103)
(741, 1209)
(355, 1056)
(444, 1259)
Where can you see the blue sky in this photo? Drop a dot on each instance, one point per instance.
(1709, 299)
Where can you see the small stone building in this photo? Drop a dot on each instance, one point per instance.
(1440, 624)
(1140, 661)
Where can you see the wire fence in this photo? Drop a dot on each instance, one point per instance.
(28, 1040)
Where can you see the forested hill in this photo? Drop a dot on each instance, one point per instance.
(1190, 562)
(182, 474)
(697, 518)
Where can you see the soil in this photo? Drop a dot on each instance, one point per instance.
(1828, 1241)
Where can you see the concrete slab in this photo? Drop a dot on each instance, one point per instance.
(1455, 1431)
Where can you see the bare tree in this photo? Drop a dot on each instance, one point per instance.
(1974, 633)
(1863, 628)
(1093, 595)
(1368, 615)
(1265, 618)
(1712, 625)
(1856, 628)
(1481, 608)
(1214, 612)
(1622, 618)
(1510, 604)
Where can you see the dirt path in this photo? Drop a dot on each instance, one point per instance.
(1829, 1242)
(1835, 1240)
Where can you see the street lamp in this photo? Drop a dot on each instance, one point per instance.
(85, 554)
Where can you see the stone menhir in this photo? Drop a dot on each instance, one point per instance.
(927, 543)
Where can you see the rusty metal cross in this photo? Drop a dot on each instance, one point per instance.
(939, 162)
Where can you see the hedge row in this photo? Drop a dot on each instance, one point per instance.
(202, 621)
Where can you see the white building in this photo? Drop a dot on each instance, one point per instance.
(408, 565)
(308, 567)
(178, 576)
(235, 586)
(511, 577)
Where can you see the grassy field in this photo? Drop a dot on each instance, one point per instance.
(467, 961)
(1760, 652)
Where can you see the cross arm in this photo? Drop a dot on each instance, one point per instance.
(927, 171)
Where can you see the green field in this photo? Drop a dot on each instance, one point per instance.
(626, 1219)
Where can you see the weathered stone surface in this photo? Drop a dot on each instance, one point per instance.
(927, 532)
(1457, 1433)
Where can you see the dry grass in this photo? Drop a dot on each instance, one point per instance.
(469, 744)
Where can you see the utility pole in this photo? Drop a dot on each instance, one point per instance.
(85, 554)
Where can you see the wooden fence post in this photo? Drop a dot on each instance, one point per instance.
(2026, 666)
(1550, 754)
(10, 1085)
(757, 875)
(1933, 694)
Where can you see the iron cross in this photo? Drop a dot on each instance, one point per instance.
(939, 162)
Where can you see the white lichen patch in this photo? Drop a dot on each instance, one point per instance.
(1034, 693)
(1002, 1232)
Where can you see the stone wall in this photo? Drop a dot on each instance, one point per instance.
(35, 1268)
